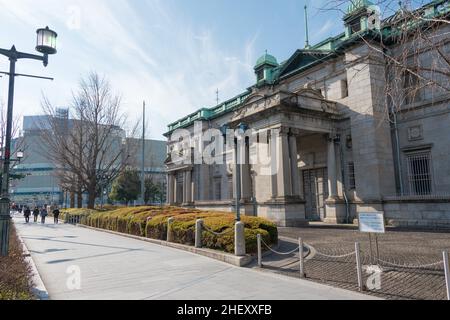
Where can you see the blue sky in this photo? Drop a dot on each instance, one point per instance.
(172, 53)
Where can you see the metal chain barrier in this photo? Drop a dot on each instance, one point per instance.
(404, 266)
(335, 257)
(280, 253)
(217, 233)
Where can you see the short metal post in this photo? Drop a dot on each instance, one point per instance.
(358, 266)
(239, 239)
(258, 240)
(447, 273)
(198, 233)
(169, 230)
(302, 261)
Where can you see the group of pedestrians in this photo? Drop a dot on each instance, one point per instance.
(42, 212)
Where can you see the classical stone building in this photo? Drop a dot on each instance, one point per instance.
(343, 146)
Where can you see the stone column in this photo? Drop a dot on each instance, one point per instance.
(294, 165)
(170, 189)
(283, 161)
(188, 187)
(175, 188)
(332, 169)
(274, 166)
(184, 200)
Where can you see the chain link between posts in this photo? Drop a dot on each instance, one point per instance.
(277, 252)
(335, 257)
(217, 233)
(405, 266)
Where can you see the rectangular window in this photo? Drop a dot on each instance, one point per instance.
(351, 176)
(344, 89)
(355, 26)
(419, 173)
(260, 75)
(411, 86)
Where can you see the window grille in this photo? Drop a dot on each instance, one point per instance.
(419, 173)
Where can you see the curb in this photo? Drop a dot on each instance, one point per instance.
(38, 286)
(216, 255)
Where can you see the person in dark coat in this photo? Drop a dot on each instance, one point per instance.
(44, 214)
(36, 214)
(27, 214)
(56, 215)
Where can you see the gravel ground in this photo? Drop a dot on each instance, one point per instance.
(396, 248)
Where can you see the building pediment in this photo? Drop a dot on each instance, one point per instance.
(305, 99)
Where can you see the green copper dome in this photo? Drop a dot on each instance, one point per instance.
(358, 4)
(266, 59)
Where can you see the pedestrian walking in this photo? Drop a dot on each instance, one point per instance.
(56, 215)
(36, 214)
(44, 214)
(27, 214)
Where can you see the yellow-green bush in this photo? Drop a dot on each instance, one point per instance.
(151, 222)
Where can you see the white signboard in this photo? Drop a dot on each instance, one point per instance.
(371, 222)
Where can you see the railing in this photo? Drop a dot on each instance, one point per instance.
(382, 264)
(72, 219)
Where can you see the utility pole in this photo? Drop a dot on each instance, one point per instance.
(143, 157)
(217, 97)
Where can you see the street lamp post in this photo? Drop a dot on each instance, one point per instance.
(46, 44)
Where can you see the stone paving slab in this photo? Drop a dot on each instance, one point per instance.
(396, 246)
(114, 267)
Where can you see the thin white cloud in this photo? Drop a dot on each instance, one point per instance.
(148, 52)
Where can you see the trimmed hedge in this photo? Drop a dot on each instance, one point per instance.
(151, 222)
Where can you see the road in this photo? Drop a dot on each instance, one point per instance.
(82, 264)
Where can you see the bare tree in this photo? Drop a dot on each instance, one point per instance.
(412, 45)
(88, 147)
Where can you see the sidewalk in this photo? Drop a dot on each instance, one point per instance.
(114, 267)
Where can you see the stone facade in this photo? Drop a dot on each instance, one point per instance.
(336, 154)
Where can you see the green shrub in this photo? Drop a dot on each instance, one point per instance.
(151, 222)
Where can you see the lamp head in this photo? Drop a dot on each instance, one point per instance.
(46, 41)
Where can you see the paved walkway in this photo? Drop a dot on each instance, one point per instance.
(114, 267)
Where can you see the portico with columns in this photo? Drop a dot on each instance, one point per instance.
(276, 190)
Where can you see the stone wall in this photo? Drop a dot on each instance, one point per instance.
(433, 213)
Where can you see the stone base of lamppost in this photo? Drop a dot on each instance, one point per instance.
(5, 220)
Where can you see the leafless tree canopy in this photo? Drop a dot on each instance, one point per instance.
(412, 46)
(15, 130)
(88, 145)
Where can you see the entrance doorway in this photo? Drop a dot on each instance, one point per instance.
(315, 186)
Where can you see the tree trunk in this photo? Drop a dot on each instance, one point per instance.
(72, 199)
(91, 198)
(79, 199)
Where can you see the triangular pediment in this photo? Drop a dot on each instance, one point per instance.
(302, 58)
